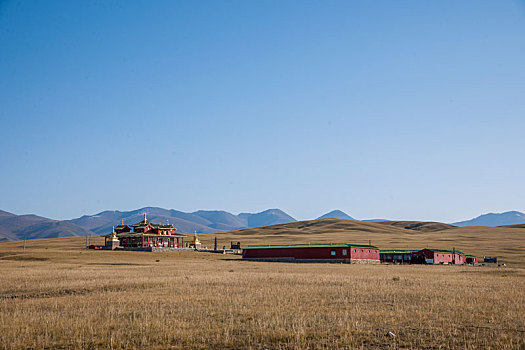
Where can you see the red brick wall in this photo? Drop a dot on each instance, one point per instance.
(311, 253)
(364, 253)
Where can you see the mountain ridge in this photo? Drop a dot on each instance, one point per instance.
(336, 214)
(200, 221)
(29, 226)
(494, 219)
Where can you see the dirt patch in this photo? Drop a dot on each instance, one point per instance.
(115, 264)
(73, 291)
(23, 258)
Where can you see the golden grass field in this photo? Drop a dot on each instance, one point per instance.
(56, 294)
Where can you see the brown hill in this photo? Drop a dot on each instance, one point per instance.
(423, 226)
(506, 242)
(19, 227)
(514, 226)
(480, 241)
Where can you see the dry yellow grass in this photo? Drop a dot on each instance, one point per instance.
(58, 295)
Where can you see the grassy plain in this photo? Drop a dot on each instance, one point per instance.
(57, 295)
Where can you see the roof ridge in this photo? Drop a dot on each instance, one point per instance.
(318, 245)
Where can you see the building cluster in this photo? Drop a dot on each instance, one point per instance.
(354, 253)
(427, 256)
(146, 235)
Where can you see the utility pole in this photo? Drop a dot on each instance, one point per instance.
(502, 250)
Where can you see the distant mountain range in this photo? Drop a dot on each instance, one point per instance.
(336, 214)
(201, 221)
(18, 227)
(495, 219)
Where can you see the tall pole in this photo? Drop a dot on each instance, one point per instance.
(24, 245)
(502, 250)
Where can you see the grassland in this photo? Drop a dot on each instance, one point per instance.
(57, 295)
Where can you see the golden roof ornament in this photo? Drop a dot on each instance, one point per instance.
(113, 236)
(195, 238)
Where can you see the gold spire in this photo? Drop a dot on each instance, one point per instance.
(122, 221)
(113, 236)
(145, 220)
(195, 238)
(167, 222)
(196, 244)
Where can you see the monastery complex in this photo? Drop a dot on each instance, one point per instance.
(144, 234)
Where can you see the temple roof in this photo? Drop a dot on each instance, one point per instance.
(149, 234)
(145, 223)
(167, 227)
(142, 223)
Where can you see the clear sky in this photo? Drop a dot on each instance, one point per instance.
(383, 109)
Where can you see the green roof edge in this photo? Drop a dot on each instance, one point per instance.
(322, 245)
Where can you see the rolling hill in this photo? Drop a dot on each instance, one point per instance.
(18, 227)
(201, 221)
(422, 226)
(508, 242)
(265, 218)
(102, 223)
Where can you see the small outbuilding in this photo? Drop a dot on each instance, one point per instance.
(399, 256)
(471, 259)
(333, 253)
(490, 259)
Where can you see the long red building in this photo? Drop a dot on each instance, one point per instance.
(340, 252)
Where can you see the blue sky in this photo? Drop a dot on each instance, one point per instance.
(389, 109)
